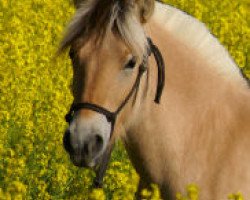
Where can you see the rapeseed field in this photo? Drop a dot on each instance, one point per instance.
(35, 95)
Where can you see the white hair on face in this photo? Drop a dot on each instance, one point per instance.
(82, 128)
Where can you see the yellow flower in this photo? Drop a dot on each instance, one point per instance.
(237, 196)
(97, 194)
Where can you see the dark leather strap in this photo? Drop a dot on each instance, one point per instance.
(161, 70)
(90, 106)
(100, 171)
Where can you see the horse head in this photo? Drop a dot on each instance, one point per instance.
(109, 52)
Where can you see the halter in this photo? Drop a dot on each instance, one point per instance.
(111, 116)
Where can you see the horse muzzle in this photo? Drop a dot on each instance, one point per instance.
(87, 154)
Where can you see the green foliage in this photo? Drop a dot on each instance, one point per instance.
(34, 96)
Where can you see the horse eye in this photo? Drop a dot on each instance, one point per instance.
(131, 63)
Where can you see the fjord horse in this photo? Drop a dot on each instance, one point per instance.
(198, 132)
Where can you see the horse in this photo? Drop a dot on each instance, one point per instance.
(194, 130)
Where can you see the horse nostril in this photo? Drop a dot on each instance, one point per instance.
(98, 142)
(93, 146)
(86, 149)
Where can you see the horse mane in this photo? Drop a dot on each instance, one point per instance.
(96, 18)
(196, 35)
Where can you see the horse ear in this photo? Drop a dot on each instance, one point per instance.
(146, 9)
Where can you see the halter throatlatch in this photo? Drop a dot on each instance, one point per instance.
(161, 70)
(111, 116)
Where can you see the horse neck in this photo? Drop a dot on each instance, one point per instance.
(196, 91)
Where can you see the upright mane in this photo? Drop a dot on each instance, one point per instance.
(196, 35)
(96, 18)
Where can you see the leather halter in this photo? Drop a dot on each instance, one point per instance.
(111, 116)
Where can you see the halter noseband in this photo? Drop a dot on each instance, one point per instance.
(111, 116)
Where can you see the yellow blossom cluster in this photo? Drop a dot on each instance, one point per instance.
(35, 95)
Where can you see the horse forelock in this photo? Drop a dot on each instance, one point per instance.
(96, 18)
